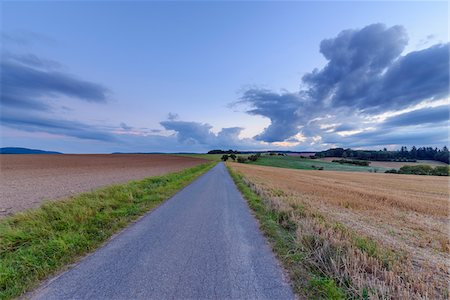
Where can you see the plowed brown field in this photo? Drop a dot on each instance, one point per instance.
(27, 180)
(406, 213)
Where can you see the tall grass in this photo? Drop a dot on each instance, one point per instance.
(36, 243)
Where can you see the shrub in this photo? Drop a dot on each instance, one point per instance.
(352, 162)
(416, 170)
(441, 171)
(253, 157)
(241, 159)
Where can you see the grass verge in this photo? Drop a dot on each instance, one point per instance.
(327, 260)
(37, 243)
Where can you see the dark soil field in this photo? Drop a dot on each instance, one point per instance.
(27, 180)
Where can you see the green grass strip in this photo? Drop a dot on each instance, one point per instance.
(37, 243)
(281, 234)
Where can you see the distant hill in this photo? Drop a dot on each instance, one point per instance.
(17, 150)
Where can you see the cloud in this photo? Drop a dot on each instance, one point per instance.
(367, 74)
(29, 81)
(125, 127)
(355, 59)
(417, 76)
(426, 115)
(35, 123)
(195, 133)
(31, 60)
(24, 38)
(429, 136)
(281, 109)
(31, 85)
(229, 136)
(172, 116)
(190, 132)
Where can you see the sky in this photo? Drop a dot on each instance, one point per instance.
(141, 76)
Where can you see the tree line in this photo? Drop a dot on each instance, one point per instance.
(404, 154)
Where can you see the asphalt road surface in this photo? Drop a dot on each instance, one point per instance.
(203, 243)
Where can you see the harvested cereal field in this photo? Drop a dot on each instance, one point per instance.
(27, 180)
(394, 228)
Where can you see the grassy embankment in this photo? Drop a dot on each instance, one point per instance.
(295, 162)
(329, 259)
(37, 243)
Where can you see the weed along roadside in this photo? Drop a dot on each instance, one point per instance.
(326, 258)
(37, 243)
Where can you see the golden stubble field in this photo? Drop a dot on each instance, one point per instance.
(406, 213)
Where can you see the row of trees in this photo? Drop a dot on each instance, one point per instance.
(384, 155)
(216, 151)
(241, 159)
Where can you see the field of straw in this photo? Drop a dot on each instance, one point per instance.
(391, 230)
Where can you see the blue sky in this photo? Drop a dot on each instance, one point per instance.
(104, 76)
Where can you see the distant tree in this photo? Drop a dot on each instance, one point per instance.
(253, 157)
(217, 151)
(224, 157)
(241, 159)
(233, 156)
(413, 152)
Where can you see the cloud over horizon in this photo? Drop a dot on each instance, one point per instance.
(370, 93)
(366, 75)
(31, 90)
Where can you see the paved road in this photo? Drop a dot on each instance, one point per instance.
(203, 243)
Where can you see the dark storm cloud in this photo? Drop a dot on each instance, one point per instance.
(366, 74)
(421, 116)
